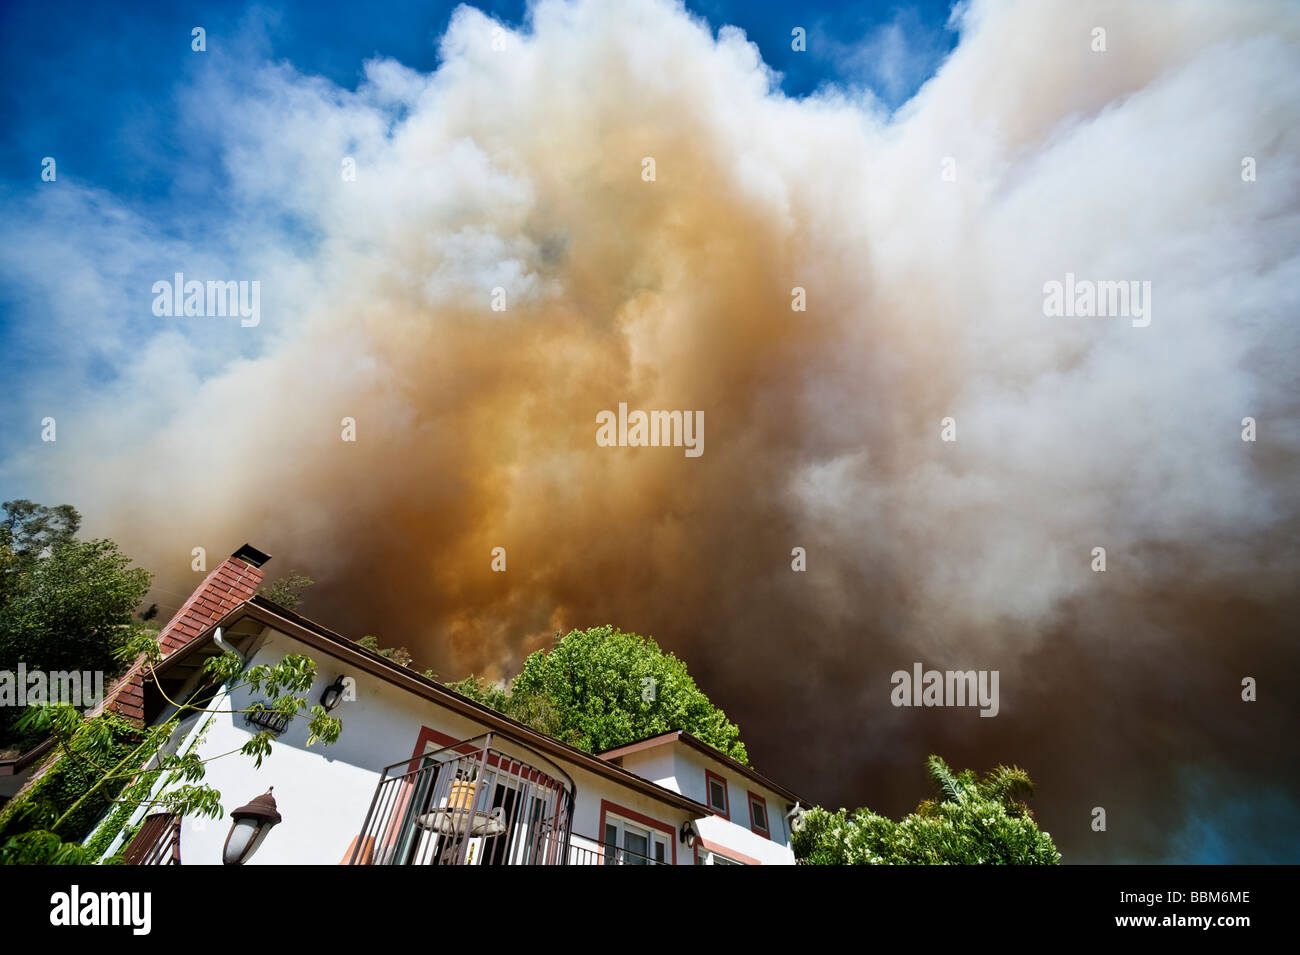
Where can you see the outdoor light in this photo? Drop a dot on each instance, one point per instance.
(795, 816)
(333, 695)
(250, 826)
(688, 834)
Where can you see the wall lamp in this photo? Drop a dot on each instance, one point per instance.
(249, 828)
(333, 694)
(688, 835)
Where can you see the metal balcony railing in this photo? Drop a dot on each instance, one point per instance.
(483, 801)
(597, 854)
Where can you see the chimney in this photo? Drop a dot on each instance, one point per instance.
(234, 581)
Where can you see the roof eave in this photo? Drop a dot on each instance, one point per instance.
(681, 736)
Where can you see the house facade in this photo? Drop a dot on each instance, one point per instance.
(423, 775)
(748, 822)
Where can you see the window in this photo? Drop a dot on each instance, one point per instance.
(717, 794)
(758, 815)
(626, 843)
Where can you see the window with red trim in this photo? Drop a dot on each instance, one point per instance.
(758, 815)
(627, 843)
(715, 788)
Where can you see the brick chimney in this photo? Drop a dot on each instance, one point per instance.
(234, 581)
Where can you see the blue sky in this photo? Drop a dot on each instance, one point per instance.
(83, 82)
(104, 94)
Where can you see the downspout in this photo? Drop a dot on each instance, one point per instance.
(227, 648)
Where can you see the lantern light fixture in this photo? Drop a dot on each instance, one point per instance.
(249, 827)
(688, 835)
(333, 694)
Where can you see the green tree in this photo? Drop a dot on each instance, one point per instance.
(972, 822)
(65, 604)
(29, 529)
(480, 691)
(601, 688)
(399, 655)
(287, 591)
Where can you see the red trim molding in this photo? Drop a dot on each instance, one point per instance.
(767, 818)
(607, 807)
(729, 853)
(710, 775)
(430, 735)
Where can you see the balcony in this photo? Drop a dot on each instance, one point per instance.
(484, 801)
(586, 851)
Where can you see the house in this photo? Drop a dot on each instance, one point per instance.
(421, 774)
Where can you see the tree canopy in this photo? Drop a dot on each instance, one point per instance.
(972, 822)
(601, 688)
(28, 529)
(65, 604)
(287, 591)
(399, 655)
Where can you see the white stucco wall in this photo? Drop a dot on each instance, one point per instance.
(659, 765)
